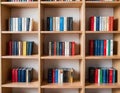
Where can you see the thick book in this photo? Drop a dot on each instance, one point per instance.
(50, 75)
(91, 75)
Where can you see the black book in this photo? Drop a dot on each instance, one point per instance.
(50, 71)
(65, 75)
(91, 75)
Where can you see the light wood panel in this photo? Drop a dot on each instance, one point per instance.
(58, 32)
(63, 85)
(18, 32)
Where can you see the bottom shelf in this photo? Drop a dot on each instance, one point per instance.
(109, 85)
(62, 85)
(33, 84)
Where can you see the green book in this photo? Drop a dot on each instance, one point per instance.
(100, 76)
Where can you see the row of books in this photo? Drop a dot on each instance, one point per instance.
(20, 0)
(101, 47)
(20, 48)
(59, 23)
(62, 48)
(102, 75)
(101, 23)
(62, 0)
(60, 75)
(20, 24)
(102, 0)
(22, 74)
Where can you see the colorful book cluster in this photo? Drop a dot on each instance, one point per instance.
(62, 48)
(61, 75)
(103, 0)
(102, 75)
(101, 47)
(99, 23)
(20, 24)
(59, 23)
(22, 74)
(20, 48)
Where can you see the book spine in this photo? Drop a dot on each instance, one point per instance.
(54, 48)
(13, 75)
(61, 75)
(57, 23)
(54, 23)
(97, 23)
(101, 76)
(91, 77)
(23, 24)
(50, 75)
(107, 23)
(50, 49)
(14, 24)
(63, 48)
(60, 48)
(56, 75)
(65, 23)
(73, 48)
(61, 23)
(51, 23)
(105, 46)
(48, 24)
(27, 24)
(110, 75)
(24, 48)
(96, 75)
(111, 47)
(19, 24)
(53, 75)
(94, 23)
(71, 23)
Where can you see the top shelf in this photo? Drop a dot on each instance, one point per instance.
(99, 4)
(61, 4)
(21, 4)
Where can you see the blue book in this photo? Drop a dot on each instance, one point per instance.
(107, 76)
(51, 23)
(30, 49)
(15, 48)
(50, 71)
(60, 48)
(19, 74)
(28, 24)
(102, 48)
(104, 75)
(97, 23)
(23, 75)
(96, 49)
(57, 46)
(61, 23)
(19, 24)
(56, 75)
(27, 48)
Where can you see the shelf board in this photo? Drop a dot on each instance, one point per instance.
(102, 85)
(21, 4)
(63, 85)
(61, 57)
(102, 57)
(34, 84)
(58, 32)
(21, 57)
(102, 32)
(62, 4)
(106, 4)
(18, 32)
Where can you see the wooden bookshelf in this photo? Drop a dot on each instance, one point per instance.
(39, 10)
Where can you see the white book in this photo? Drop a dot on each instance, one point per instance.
(31, 24)
(23, 24)
(54, 23)
(66, 48)
(61, 75)
(111, 47)
(57, 23)
(50, 48)
(107, 23)
(14, 24)
(59, 78)
(94, 23)
(102, 22)
(98, 76)
(65, 23)
(19, 48)
(107, 41)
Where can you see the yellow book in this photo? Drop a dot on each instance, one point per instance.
(24, 48)
(71, 75)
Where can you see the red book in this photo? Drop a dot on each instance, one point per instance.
(91, 48)
(63, 48)
(110, 75)
(105, 47)
(10, 48)
(111, 22)
(73, 48)
(53, 76)
(55, 48)
(92, 23)
(13, 75)
(16, 75)
(96, 75)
